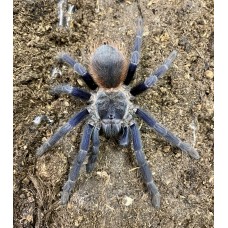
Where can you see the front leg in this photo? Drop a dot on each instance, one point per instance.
(93, 156)
(74, 172)
(124, 139)
(144, 167)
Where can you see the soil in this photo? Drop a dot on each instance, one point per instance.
(114, 195)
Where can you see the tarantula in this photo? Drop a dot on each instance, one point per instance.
(112, 111)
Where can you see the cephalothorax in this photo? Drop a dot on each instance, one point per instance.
(111, 108)
(112, 111)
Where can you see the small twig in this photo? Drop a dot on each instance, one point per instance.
(65, 12)
(40, 118)
(61, 12)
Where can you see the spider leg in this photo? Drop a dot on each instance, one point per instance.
(144, 167)
(124, 139)
(93, 156)
(62, 131)
(169, 136)
(135, 53)
(79, 159)
(74, 91)
(152, 79)
(78, 68)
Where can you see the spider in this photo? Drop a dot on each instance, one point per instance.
(111, 110)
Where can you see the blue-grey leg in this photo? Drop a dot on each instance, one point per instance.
(79, 159)
(93, 156)
(62, 131)
(76, 92)
(124, 139)
(78, 68)
(170, 137)
(152, 79)
(144, 167)
(135, 53)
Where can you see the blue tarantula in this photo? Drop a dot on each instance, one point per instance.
(112, 111)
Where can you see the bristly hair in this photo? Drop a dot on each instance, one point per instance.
(108, 66)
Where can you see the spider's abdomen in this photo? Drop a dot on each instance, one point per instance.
(111, 108)
(108, 66)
